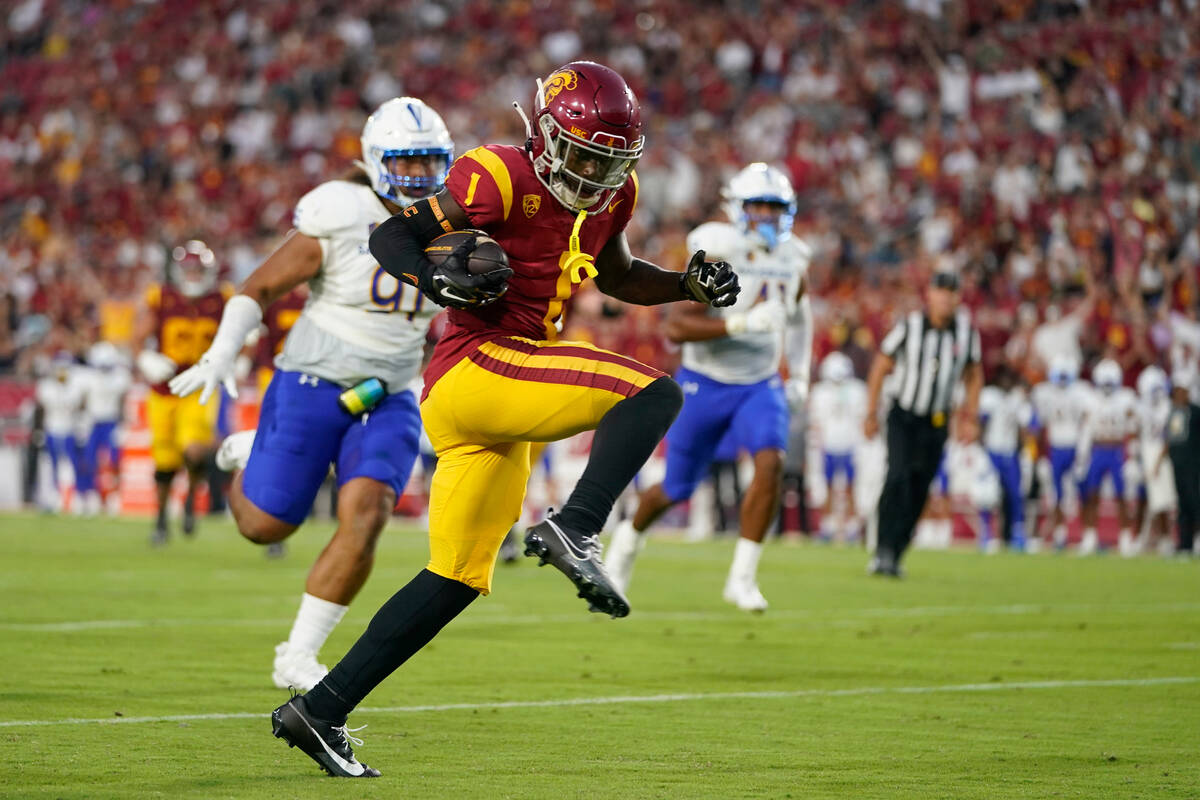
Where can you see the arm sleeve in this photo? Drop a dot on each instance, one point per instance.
(398, 243)
(975, 349)
(895, 339)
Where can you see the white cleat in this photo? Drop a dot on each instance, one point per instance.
(1089, 545)
(745, 595)
(623, 549)
(1128, 546)
(234, 452)
(296, 669)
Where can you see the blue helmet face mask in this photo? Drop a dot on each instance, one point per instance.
(414, 186)
(760, 184)
(772, 225)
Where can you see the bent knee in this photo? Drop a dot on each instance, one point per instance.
(261, 528)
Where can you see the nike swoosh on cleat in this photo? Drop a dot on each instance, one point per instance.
(575, 552)
(353, 767)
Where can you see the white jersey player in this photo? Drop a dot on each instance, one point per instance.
(60, 394)
(105, 383)
(1007, 413)
(1108, 426)
(1059, 405)
(733, 392)
(341, 392)
(836, 410)
(1158, 478)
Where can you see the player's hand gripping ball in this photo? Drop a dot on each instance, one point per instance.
(470, 270)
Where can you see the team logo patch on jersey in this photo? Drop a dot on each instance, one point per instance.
(563, 79)
(530, 204)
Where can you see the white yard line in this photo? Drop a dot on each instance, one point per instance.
(485, 618)
(652, 698)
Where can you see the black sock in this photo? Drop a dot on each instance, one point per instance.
(404, 625)
(625, 438)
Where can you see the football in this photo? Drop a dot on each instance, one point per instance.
(487, 256)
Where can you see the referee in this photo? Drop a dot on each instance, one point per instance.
(929, 351)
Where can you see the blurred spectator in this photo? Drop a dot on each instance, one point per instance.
(1024, 144)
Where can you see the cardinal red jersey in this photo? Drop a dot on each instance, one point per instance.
(497, 188)
(185, 325)
(279, 318)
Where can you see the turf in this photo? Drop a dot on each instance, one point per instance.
(977, 677)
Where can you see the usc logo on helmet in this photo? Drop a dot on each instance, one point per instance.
(563, 79)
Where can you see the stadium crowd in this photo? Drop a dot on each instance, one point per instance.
(1026, 144)
(1047, 151)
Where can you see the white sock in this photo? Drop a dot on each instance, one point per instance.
(1060, 534)
(314, 622)
(745, 560)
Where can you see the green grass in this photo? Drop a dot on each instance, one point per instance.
(193, 627)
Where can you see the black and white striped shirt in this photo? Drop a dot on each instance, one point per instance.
(929, 361)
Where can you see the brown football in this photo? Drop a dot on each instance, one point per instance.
(487, 256)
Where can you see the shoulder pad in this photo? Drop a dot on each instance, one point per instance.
(718, 240)
(327, 210)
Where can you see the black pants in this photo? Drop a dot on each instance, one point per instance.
(1187, 486)
(914, 451)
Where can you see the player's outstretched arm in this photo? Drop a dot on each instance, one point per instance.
(295, 261)
(633, 280)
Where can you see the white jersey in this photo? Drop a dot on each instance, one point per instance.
(1152, 416)
(1157, 473)
(1007, 413)
(61, 402)
(1060, 410)
(104, 389)
(837, 410)
(767, 275)
(359, 321)
(1111, 416)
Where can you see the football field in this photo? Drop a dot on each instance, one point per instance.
(136, 673)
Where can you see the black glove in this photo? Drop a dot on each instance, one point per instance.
(450, 283)
(711, 282)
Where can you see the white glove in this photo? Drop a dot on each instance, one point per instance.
(211, 369)
(769, 316)
(155, 367)
(797, 393)
(217, 366)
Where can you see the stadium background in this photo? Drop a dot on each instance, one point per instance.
(1046, 150)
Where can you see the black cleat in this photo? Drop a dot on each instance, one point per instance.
(322, 741)
(884, 564)
(276, 550)
(160, 534)
(510, 552)
(578, 557)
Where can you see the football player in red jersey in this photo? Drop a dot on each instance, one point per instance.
(180, 318)
(498, 380)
